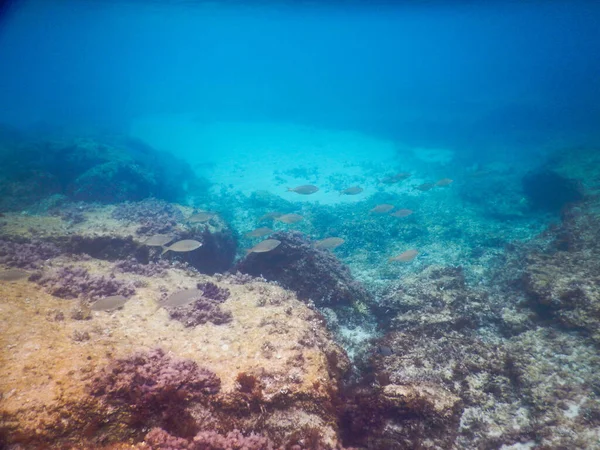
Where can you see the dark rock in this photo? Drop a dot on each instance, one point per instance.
(313, 274)
(548, 191)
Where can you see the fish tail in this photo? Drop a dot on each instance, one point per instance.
(165, 250)
(290, 190)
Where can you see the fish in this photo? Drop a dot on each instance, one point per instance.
(406, 256)
(444, 182)
(382, 209)
(264, 246)
(186, 245)
(181, 298)
(290, 218)
(329, 243)
(13, 275)
(425, 186)
(354, 190)
(305, 189)
(200, 217)
(391, 179)
(270, 216)
(158, 240)
(402, 213)
(109, 303)
(384, 350)
(259, 232)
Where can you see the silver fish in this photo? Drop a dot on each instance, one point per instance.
(265, 246)
(329, 243)
(109, 303)
(13, 275)
(182, 298)
(186, 245)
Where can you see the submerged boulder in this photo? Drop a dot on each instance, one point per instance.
(549, 191)
(312, 273)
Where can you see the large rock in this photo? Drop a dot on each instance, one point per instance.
(105, 169)
(118, 233)
(563, 281)
(314, 274)
(68, 382)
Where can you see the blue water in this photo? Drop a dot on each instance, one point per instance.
(433, 73)
(121, 120)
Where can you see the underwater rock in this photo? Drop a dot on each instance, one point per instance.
(436, 298)
(101, 235)
(26, 253)
(280, 371)
(314, 274)
(76, 282)
(563, 282)
(153, 216)
(548, 191)
(102, 168)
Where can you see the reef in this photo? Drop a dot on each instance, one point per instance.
(269, 375)
(563, 281)
(117, 233)
(205, 308)
(104, 169)
(315, 275)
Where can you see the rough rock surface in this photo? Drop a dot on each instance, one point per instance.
(563, 282)
(313, 274)
(278, 368)
(106, 169)
(100, 235)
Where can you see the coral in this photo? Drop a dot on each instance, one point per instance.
(152, 269)
(26, 254)
(208, 440)
(205, 309)
(154, 216)
(313, 274)
(213, 292)
(73, 282)
(154, 387)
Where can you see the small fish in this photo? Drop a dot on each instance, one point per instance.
(200, 217)
(290, 218)
(270, 216)
(109, 303)
(264, 246)
(382, 209)
(425, 186)
(402, 213)
(329, 243)
(158, 240)
(444, 182)
(305, 189)
(186, 245)
(259, 232)
(406, 256)
(391, 179)
(13, 275)
(182, 298)
(354, 190)
(384, 350)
